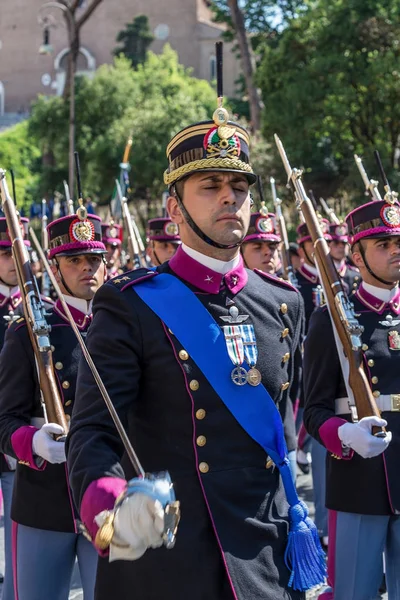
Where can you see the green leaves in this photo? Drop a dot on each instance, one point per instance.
(153, 102)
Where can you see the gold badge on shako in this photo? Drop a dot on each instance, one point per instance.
(264, 225)
(171, 229)
(81, 231)
(390, 215)
(341, 230)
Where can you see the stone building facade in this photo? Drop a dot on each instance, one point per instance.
(24, 73)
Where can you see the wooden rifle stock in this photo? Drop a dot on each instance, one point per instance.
(340, 308)
(34, 312)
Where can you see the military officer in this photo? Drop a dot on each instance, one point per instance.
(163, 240)
(45, 535)
(112, 239)
(10, 304)
(233, 532)
(362, 492)
(338, 245)
(260, 248)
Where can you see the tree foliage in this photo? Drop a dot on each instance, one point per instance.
(330, 88)
(135, 40)
(19, 153)
(153, 102)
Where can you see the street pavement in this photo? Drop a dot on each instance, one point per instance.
(304, 486)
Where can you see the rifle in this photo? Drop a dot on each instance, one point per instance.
(341, 309)
(371, 186)
(68, 199)
(286, 258)
(329, 211)
(127, 218)
(35, 315)
(45, 246)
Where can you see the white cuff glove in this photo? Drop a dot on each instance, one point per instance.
(46, 447)
(138, 525)
(358, 436)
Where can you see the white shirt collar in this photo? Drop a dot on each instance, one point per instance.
(381, 293)
(7, 291)
(219, 266)
(84, 306)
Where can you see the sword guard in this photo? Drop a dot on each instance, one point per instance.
(159, 487)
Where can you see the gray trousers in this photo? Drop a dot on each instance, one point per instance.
(7, 482)
(44, 561)
(318, 469)
(361, 541)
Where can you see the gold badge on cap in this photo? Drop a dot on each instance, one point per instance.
(341, 230)
(171, 229)
(81, 231)
(264, 225)
(390, 215)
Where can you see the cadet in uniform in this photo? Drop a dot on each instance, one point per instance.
(233, 532)
(337, 247)
(260, 248)
(10, 305)
(112, 240)
(311, 290)
(307, 274)
(45, 527)
(362, 470)
(163, 240)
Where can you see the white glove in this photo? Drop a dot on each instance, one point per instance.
(46, 447)
(138, 525)
(358, 436)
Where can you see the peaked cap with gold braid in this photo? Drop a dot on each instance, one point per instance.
(217, 145)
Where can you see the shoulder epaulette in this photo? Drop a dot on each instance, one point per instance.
(131, 278)
(276, 280)
(15, 324)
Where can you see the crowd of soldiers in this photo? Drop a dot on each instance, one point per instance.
(222, 375)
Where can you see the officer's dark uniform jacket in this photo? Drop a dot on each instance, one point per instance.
(357, 485)
(233, 531)
(41, 497)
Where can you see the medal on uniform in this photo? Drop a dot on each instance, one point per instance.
(394, 340)
(234, 345)
(251, 354)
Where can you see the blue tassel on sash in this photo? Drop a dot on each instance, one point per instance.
(179, 308)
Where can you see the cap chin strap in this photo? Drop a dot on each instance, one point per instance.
(199, 232)
(62, 278)
(155, 254)
(308, 257)
(370, 271)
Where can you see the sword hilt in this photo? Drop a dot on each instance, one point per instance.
(159, 487)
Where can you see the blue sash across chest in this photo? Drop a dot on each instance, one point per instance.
(195, 328)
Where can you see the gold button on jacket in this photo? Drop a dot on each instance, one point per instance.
(200, 414)
(194, 385)
(183, 355)
(201, 440)
(203, 467)
(65, 385)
